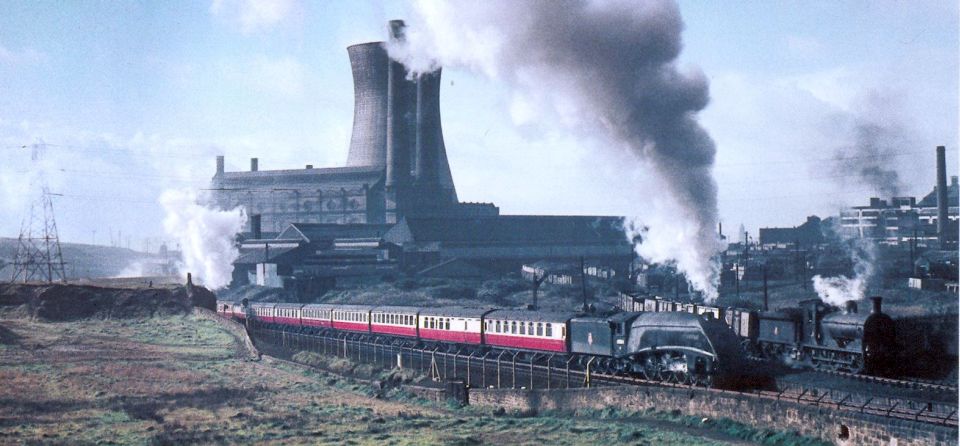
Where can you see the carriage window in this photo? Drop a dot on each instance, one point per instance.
(523, 328)
(513, 327)
(464, 325)
(539, 329)
(497, 328)
(563, 331)
(448, 323)
(549, 330)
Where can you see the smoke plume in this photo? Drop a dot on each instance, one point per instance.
(838, 290)
(870, 158)
(607, 70)
(206, 236)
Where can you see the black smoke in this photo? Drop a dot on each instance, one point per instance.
(608, 70)
(871, 158)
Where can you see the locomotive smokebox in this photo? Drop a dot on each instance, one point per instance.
(877, 303)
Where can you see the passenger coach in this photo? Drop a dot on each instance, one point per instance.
(527, 330)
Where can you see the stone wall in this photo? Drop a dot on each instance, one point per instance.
(841, 427)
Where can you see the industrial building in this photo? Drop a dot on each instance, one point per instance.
(394, 206)
(397, 164)
(810, 233)
(904, 219)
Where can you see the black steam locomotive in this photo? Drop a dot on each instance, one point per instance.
(815, 334)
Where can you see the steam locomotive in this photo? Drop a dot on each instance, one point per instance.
(668, 346)
(815, 334)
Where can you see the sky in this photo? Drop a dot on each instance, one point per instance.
(132, 99)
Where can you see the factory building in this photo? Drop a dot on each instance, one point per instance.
(393, 207)
(807, 234)
(505, 243)
(901, 219)
(932, 221)
(396, 167)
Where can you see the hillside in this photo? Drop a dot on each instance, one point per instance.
(90, 261)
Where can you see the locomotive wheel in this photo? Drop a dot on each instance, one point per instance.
(651, 370)
(706, 380)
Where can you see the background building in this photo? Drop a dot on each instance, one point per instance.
(393, 207)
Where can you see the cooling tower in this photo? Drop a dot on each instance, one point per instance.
(396, 125)
(368, 142)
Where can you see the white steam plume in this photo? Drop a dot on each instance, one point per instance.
(206, 236)
(838, 290)
(607, 70)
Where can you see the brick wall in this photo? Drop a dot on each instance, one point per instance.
(817, 422)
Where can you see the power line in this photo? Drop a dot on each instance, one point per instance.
(38, 245)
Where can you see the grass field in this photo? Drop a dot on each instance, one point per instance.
(176, 380)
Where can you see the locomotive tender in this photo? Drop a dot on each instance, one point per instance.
(677, 347)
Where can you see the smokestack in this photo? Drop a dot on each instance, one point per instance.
(942, 217)
(368, 142)
(220, 165)
(255, 227)
(877, 304)
(253, 164)
(429, 139)
(399, 115)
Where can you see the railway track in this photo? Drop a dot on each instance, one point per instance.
(915, 384)
(547, 372)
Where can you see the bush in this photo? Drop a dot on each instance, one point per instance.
(499, 289)
(458, 292)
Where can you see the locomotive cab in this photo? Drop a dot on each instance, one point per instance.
(879, 341)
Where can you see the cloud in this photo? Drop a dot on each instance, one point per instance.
(254, 15)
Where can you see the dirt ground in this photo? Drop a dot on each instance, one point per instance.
(177, 380)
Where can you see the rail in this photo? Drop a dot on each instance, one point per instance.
(554, 372)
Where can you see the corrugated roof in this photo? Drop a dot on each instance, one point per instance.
(511, 229)
(251, 256)
(315, 232)
(327, 173)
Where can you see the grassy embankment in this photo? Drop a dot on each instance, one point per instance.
(176, 379)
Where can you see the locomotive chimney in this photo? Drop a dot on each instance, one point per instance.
(877, 302)
(219, 164)
(942, 216)
(850, 307)
(254, 164)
